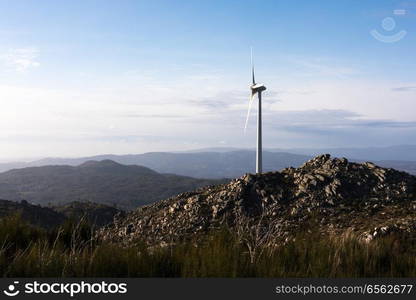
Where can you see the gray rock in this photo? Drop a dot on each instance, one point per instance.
(340, 194)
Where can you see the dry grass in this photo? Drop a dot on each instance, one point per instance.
(70, 251)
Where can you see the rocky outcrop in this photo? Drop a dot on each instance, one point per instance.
(331, 195)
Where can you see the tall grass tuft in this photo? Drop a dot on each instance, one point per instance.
(71, 251)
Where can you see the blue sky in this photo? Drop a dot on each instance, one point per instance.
(89, 77)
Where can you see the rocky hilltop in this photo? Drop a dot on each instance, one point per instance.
(327, 194)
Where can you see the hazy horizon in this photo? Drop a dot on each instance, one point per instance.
(303, 151)
(85, 77)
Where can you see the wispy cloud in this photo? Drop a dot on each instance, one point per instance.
(154, 116)
(221, 100)
(307, 120)
(324, 67)
(21, 59)
(404, 88)
(178, 114)
(335, 128)
(230, 100)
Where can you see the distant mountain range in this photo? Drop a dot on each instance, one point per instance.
(199, 164)
(400, 152)
(392, 153)
(234, 162)
(104, 182)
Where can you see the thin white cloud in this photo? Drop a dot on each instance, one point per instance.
(404, 89)
(21, 59)
(324, 67)
(183, 112)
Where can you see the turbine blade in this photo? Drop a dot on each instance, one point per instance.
(250, 103)
(252, 66)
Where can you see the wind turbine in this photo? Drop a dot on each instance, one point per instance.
(256, 88)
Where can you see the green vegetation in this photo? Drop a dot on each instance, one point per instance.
(104, 182)
(70, 251)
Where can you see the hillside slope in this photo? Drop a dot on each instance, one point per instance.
(331, 195)
(94, 213)
(105, 182)
(36, 215)
(50, 217)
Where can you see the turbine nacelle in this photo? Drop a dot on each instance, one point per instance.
(257, 87)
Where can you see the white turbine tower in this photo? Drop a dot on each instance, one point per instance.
(256, 88)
